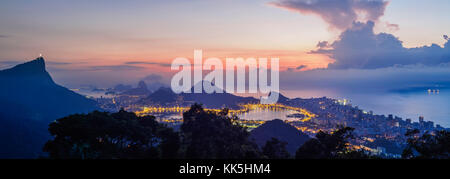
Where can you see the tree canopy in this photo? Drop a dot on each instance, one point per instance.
(215, 135)
(333, 145)
(102, 135)
(205, 134)
(431, 145)
(275, 149)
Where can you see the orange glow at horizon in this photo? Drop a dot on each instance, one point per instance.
(289, 59)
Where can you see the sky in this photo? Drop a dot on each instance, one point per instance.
(105, 42)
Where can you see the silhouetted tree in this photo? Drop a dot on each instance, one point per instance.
(215, 135)
(275, 149)
(435, 145)
(102, 135)
(329, 146)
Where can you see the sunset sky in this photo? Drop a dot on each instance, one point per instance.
(142, 37)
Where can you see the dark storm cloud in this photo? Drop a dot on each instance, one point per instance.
(339, 14)
(360, 47)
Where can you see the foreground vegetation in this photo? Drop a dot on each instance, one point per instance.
(203, 135)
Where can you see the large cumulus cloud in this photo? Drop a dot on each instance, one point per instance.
(339, 14)
(360, 47)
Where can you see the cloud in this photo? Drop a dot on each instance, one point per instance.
(58, 63)
(360, 47)
(301, 67)
(11, 63)
(322, 44)
(298, 68)
(115, 68)
(392, 27)
(148, 63)
(338, 14)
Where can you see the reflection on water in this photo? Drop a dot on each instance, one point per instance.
(162, 116)
(257, 114)
(269, 114)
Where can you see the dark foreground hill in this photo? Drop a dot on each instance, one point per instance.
(29, 101)
(282, 131)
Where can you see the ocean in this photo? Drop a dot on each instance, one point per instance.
(433, 106)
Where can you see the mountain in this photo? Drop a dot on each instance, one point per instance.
(30, 100)
(166, 97)
(281, 98)
(216, 100)
(153, 86)
(163, 97)
(282, 131)
(141, 90)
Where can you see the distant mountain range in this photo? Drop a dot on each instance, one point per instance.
(166, 97)
(281, 131)
(29, 101)
(140, 90)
